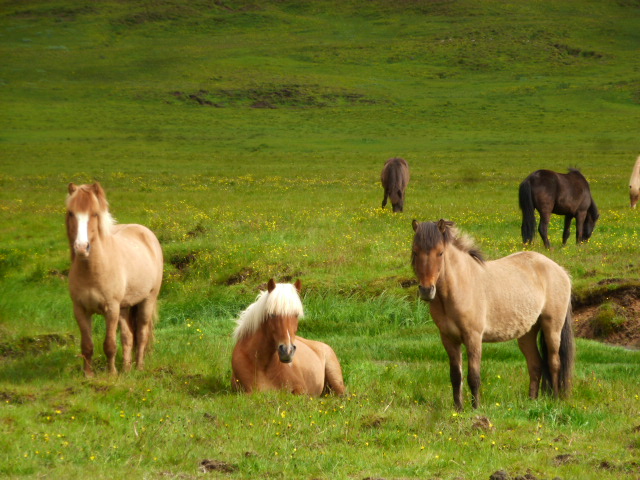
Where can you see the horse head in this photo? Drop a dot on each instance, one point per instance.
(590, 221)
(282, 323)
(430, 244)
(87, 217)
(427, 258)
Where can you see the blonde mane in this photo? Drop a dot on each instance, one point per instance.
(282, 300)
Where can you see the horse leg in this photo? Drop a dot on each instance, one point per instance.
(454, 351)
(384, 200)
(580, 218)
(529, 348)
(126, 338)
(543, 228)
(111, 318)
(552, 340)
(144, 329)
(474, 355)
(86, 342)
(566, 233)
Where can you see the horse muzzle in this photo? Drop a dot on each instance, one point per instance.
(82, 248)
(286, 353)
(427, 293)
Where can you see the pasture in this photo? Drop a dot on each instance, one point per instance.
(250, 138)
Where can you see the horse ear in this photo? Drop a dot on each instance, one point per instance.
(298, 285)
(97, 189)
(443, 225)
(271, 285)
(415, 224)
(100, 195)
(72, 188)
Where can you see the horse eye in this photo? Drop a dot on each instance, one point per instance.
(441, 253)
(70, 214)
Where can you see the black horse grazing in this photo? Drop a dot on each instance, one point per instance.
(565, 194)
(395, 177)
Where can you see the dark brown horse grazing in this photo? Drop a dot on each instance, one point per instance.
(565, 194)
(395, 178)
(472, 301)
(269, 356)
(116, 271)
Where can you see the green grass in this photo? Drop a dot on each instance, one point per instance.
(250, 138)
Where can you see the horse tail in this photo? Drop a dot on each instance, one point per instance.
(528, 213)
(567, 358)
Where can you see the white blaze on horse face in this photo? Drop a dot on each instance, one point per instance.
(81, 245)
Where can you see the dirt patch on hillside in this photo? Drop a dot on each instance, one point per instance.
(609, 314)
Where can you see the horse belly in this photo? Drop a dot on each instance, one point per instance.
(512, 319)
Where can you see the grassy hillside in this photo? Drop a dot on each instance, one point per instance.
(250, 138)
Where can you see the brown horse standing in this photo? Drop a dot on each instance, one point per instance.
(395, 178)
(472, 301)
(116, 271)
(565, 194)
(269, 356)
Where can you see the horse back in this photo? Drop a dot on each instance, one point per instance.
(395, 173)
(560, 193)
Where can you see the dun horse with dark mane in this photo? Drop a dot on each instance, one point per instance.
(395, 178)
(473, 301)
(116, 271)
(269, 356)
(565, 194)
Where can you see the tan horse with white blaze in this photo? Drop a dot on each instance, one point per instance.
(269, 355)
(116, 271)
(472, 301)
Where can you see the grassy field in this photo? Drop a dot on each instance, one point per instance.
(250, 138)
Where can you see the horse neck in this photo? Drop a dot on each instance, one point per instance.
(459, 269)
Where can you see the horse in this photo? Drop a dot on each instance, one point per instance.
(394, 178)
(269, 356)
(116, 271)
(634, 184)
(565, 194)
(474, 301)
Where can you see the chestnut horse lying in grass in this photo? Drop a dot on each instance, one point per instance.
(269, 356)
(473, 301)
(116, 271)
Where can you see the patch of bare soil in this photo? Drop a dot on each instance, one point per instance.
(217, 466)
(609, 315)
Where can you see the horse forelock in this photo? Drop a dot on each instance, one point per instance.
(281, 301)
(428, 236)
(89, 199)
